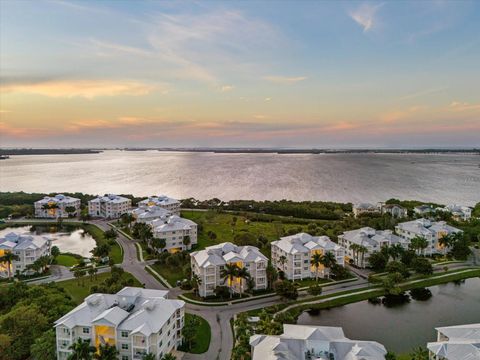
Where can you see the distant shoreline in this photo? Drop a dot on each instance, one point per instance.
(25, 151)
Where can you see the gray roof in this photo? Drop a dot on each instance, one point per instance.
(172, 223)
(364, 206)
(59, 198)
(424, 227)
(16, 241)
(368, 236)
(303, 243)
(227, 252)
(463, 343)
(161, 200)
(110, 198)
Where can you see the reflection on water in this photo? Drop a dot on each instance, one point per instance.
(406, 321)
(66, 238)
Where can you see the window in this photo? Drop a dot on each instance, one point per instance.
(124, 346)
(160, 343)
(86, 330)
(124, 334)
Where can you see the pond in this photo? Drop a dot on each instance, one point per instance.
(67, 238)
(403, 325)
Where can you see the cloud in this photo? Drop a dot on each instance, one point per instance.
(81, 88)
(284, 79)
(459, 106)
(267, 99)
(261, 117)
(226, 88)
(423, 93)
(366, 15)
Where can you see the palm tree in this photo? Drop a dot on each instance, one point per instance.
(354, 248)
(419, 354)
(272, 274)
(328, 260)
(186, 240)
(8, 258)
(158, 243)
(316, 261)
(395, 251)
(195, 281)
(169, 357)
(91, 272)
(106, 352)
(282, 260)
(81, 350)
(242, 274)
(418, 243)
(229, 272)
(149, 356)
(446, 241)
(127, 219)
(362, 250)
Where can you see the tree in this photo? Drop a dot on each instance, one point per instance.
(316, 261)
(151, 356)
(390, 284)
(282, 260)
(127, 219)
(92, 271)
(222, 291)
(315, 290)
(419, 354)
(169, 357)
(81, 350)
(78, 274)
(44, 347)
(272, 274)
(422, 266)
(229, 272)
(286, 290)
(101, 250)
(189, 330)
(243, 275)
(460, 246)
(106, 352)
(395, 251)
(244, 238)
(397, 266)
(195, 282)
(110, 234)
(328, 260)
(186, 240)
(407, 257)
(419, 243)
(377, 261)
(54, 251)
(158, 243)
(8, 258)
(71, 210)
(362, 250)
(390, 356)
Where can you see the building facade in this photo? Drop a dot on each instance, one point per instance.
(165, 202)
(179, 233)
(456, 343)
(136, 321)
(28, 248)
(109, 206)
(459, 213)
(431, 231)
(395, 211)
(144, 213)
(53, 207)
(370, 241)
(302, 342)
(207, 265)
(365, 208)
(293, 254)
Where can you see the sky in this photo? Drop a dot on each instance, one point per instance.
(323, 74)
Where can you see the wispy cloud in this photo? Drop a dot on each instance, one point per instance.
(424, 93)
(226, 88)
(81, 88)
(284, 79)
(459, 106)
(366, 15)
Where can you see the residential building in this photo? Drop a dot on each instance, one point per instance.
(364, 208)
(371, 240)
(423, 210)
(302, 342)
(179, 233)
(431, 231)
(56, 207)
(460, 342)
(144, 213)
(28, 248)
(207, 265)
(292, 255)
(459, 213)
(109, 206)
(136, 321)
(165, 202)
(395, 210)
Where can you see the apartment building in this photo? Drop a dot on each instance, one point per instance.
(370, 240)
(165, 202)
(302, 342)
(144, 213)
(28, 248)
(459, 212)
(109, 206)
(207, 265)
(459, 342)
(136, 321)
(431, 231)
(179, 233)
(56, 207)
(364, 208)
(293, 254)
(395, 211)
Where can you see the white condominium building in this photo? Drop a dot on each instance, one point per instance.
(28, 248)
(293, 254)
(459, 213)
(144, 214)
(460, 342)
(301, 342)
(431, 231)
(364, 208)
(57, 206)
(136, 321)
(372, 240)
(208, 263)
(396, 211)
(179, 233)
(164, 202)
(109, 206)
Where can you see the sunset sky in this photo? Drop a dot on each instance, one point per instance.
(251, 73)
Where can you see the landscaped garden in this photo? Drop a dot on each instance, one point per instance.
(196, 333)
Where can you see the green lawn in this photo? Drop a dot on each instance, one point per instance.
(80, 289)
(311, 282)
(203, 336)
(67, 260)
(170, 274)
(115, 251)
(221, 225)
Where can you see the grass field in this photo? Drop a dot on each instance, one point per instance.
(67, 260)
(170, 274)
(202, 337)
(221, 225)
(80, 289)
(97, 233)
